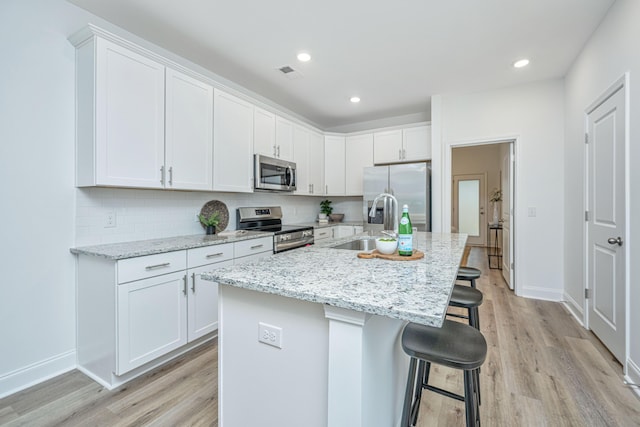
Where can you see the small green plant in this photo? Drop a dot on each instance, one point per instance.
(325, 207)
(212, 221)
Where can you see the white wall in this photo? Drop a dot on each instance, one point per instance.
(532, 115)
(37, 307)
(611, 51)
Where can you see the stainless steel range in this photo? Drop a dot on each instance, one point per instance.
(270, 219)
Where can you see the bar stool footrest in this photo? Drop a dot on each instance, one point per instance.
(443, 392)
(459, 316)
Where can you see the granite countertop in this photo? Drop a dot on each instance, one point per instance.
(116, 251)
(416, 291)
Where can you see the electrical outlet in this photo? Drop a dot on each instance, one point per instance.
(110, 219)
(269, 334)
(532, 212)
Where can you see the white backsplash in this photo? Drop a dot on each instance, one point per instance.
(150, 214)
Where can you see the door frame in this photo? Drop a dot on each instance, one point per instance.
(482, 208)
(621, 84)
(447, 178)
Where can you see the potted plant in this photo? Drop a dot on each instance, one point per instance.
(325, 209)
(211, 222)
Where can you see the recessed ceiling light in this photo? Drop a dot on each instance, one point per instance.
(355, 99)
(304, 57)
(521, 63)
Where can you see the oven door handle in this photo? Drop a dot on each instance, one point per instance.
(281, 246)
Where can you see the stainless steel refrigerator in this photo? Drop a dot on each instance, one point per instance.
(410, 183)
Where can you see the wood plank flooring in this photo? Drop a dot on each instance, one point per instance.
(542, 369)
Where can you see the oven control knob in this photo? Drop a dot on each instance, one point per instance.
(307, 233)
(285, 237)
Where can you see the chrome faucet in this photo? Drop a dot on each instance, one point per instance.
(384, 197)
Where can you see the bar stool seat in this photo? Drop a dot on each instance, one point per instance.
(454, 345)
(469, 298)
(469, 274)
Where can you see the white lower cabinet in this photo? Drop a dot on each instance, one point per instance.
(151, 319)
(135, 314)
(343, 231)
(322, 233)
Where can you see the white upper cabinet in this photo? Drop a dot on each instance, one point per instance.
(308, 154)
(120, 117)
(264, 132)
(189, 133)
(316, 163)
(387, 146)
(284, 139)
(334, 165)
(402, 145)
(232, 143)
(358, 155)
(417, 143)
(301, 158)
(140, 123)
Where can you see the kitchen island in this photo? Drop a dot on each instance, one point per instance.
(330, 326)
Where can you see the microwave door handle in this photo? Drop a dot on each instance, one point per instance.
(290, 177)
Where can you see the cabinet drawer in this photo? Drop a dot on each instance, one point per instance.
(325, 233)
(209, 254)
(151, 265)
(254, 246)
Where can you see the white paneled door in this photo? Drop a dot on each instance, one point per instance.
(606, 224)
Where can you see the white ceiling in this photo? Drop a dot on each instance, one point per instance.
(393, 54)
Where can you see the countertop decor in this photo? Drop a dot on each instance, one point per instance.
(216, 206)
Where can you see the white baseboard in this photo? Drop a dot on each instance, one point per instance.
(545, 294)
(633, 375)
(574, 308)
(35, 373)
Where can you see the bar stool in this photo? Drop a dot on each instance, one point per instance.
(469, 298)
(454, 345)
(469, 274)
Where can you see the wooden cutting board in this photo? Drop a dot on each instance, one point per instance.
(391, 257)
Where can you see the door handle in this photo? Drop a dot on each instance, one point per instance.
(614, 240)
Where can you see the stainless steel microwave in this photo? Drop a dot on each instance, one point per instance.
(274, 174)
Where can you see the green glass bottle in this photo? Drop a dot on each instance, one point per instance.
(405, 234)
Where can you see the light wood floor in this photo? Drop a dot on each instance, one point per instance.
(542, 369)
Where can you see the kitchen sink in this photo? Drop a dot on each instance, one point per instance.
(358, 245)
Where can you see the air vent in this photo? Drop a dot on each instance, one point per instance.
(289, 72)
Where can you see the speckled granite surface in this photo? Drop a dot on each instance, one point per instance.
(138, 248)
(416, 291)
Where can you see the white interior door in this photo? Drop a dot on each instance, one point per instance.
(606, 223)
(506, 184)
(468, 216)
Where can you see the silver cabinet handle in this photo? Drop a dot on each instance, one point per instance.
(214, 255)
(162, 175)
(278, 151)
(171, 175)
(153, 267)
(404, 154)
(256, 246)
(326, 189)
(193, 282)
(400, 154)
(274, 151)
(614, 240)
(184, 288)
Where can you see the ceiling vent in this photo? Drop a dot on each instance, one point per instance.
(290, 73)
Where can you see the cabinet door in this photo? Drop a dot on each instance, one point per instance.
(358, 155)
(316, 163)
(232, 143)
(284, 139)
(203, 301)
(264, 132)
(129, 118)
(417, 143)
(343, 231)
(323, 233)
(151, 319)
(189, 133)
(301, 158)
(334, 165)
(387, 146)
